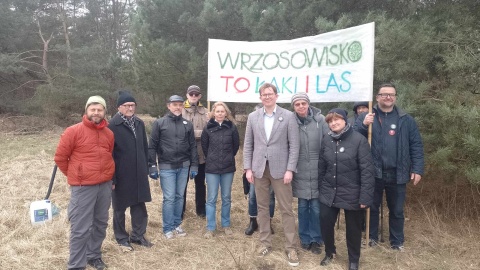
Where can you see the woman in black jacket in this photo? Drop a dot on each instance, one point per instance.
(220, 143)
(346, 182)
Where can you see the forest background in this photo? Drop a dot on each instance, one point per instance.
(56, 53)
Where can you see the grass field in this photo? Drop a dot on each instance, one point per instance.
(26, 165)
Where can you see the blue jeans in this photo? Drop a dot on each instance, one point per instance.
(173, 183)
(252, 202)
(214, 181)
(395, 194)
(309, 221)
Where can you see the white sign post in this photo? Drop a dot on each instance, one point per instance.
(331, 67)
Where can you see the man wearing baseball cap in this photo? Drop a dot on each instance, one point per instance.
(196, 113)
(172, 143)
(84, 155)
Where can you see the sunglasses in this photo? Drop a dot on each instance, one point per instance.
(194, 94)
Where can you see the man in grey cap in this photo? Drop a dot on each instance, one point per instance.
(172, 142)
(84, 155)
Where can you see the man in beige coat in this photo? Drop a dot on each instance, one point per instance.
(195, 112)
(270, 156)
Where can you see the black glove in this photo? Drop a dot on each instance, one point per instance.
(153, 172)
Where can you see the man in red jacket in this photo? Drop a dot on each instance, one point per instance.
(84, 155)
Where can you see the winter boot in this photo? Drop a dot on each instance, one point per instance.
(252, 226)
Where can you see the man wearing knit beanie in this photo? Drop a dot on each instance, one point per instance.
(96, 100)
(132, 188)
(300, 96)
(84, 155)
(312, 127)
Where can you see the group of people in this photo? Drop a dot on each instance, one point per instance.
(325, 162)
(328, 164)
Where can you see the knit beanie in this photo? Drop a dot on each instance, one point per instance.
(124, 97)
(194, 89)
(300, 96)
(96, 99)
(343, 113)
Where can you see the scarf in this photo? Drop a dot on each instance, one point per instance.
(130, 122)
(337, 136)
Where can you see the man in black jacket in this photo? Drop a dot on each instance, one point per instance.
(173, 142)
(397, 152)
(130, 180)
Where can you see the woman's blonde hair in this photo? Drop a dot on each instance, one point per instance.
(220, 103)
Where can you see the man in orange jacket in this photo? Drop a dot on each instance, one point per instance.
(84, 155)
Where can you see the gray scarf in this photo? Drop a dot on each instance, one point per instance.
(337, 136)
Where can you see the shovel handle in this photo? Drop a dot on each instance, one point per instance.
(51, 181)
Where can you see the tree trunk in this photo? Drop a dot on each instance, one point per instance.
(45, 51)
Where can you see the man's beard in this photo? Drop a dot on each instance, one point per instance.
(90, 118)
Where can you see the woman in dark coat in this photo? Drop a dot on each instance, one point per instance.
(346, 182)
(131, 186)
(220, 143)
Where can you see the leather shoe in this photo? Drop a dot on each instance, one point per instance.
(306, 246)
(98, 264)
(327, 260)
(142, 242)
(315, 248)
(126, 246)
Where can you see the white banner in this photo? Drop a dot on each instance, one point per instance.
(331, 67)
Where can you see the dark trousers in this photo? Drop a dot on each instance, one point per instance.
(139, 218)
(395, 194)
(353, 221)
(200, 191)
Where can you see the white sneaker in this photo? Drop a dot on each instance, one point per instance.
(180, 232)
(227, 231)
(208, 234)
(169, 235)
(292, 258)
(398, 248)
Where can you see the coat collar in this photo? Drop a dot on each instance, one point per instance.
(187, 105)
(117, 119)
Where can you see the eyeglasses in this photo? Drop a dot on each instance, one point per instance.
(383, 95)
(194, 94)
(267, 95)
(129, 106)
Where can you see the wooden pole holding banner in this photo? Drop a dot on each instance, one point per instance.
(367, 216)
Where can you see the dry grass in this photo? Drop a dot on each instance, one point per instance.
(26, 165)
